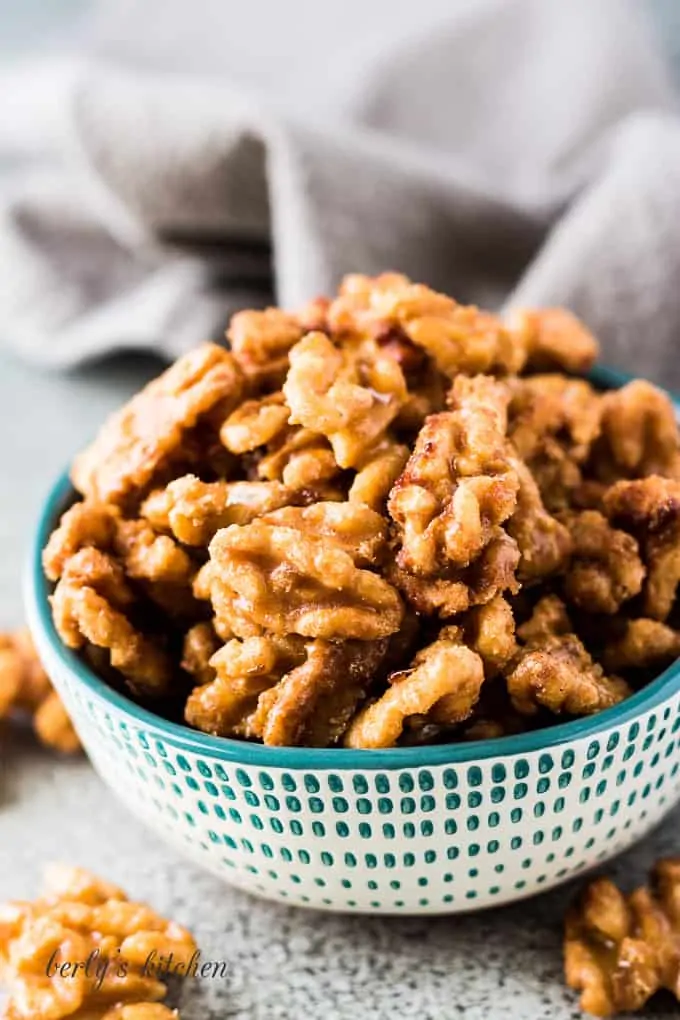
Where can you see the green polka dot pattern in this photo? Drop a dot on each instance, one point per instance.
(441, 838)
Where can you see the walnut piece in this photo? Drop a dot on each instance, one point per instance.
(641, 644)
(350, 397)
(605, 569)
(557, 673)
(458, 338)
(255, 423)
(620, 950)
(639, 434)
(286, 581)
(90, 604)
(243, 670)
(649, 509)
(80, 915)
(260, 342)
(444, 681)
(194, 510)
(544, 543)
(145, 434)
(25, 688)
(200, 644)
(458, 484)
(553, 338)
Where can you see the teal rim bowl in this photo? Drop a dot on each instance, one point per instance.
(37, 589)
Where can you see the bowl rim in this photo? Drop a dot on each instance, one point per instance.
(36, 592)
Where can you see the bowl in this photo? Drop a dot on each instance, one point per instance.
(413, 830)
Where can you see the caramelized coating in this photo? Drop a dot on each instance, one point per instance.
(559, 674)
(606, 569)
(357, 529)
(492, 573)
(313, 704)
(553, 339)
(286, 581)
(90, 604)
(444, 679)
(299, 458)
(261, 341)
(200, 644)
(490, 631)
(641, 644)
(620, 950)
(83, 524)
(639, 433)
(458, 484)
(26, 688)
(544, 543)
(349, 397)
(377, 473)
(243, 671)
(80, 915)
(553, 423)
(458, 338)
(255, 423)
(144, 435)
(194, 510)
(549, 619)
(650, 510)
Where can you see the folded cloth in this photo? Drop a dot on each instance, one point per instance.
(505, 151)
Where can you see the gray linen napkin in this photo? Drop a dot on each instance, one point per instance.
(221, 156)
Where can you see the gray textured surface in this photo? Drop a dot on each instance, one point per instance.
(286, 964)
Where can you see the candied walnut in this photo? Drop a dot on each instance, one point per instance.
(492, 573)
(620, 950)
(313, 703)
(490, 631)
(350, 398)
(26, 688)
(140, 1011)
(442, 683)
(200, 644)
(459, 338)
(377, 473)
(605, 570)
(148, 431)
(286, 581)
(458, 484)
(557, 673)
(165, 570)
(553, 423)
(89, 605)
(194, 510)
(639, 434)
(357, 529)
(553, 339)
(641, 644)
(83, 524)
(649, 509)
(243, 671)
(544, 543)
(147, 556)
(255, 423)
(299, 458)
(260, 342)
(548, 619)
(79, 916)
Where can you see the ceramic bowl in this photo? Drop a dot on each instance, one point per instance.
(417, 830)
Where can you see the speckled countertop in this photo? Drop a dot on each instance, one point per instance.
(285, 964)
